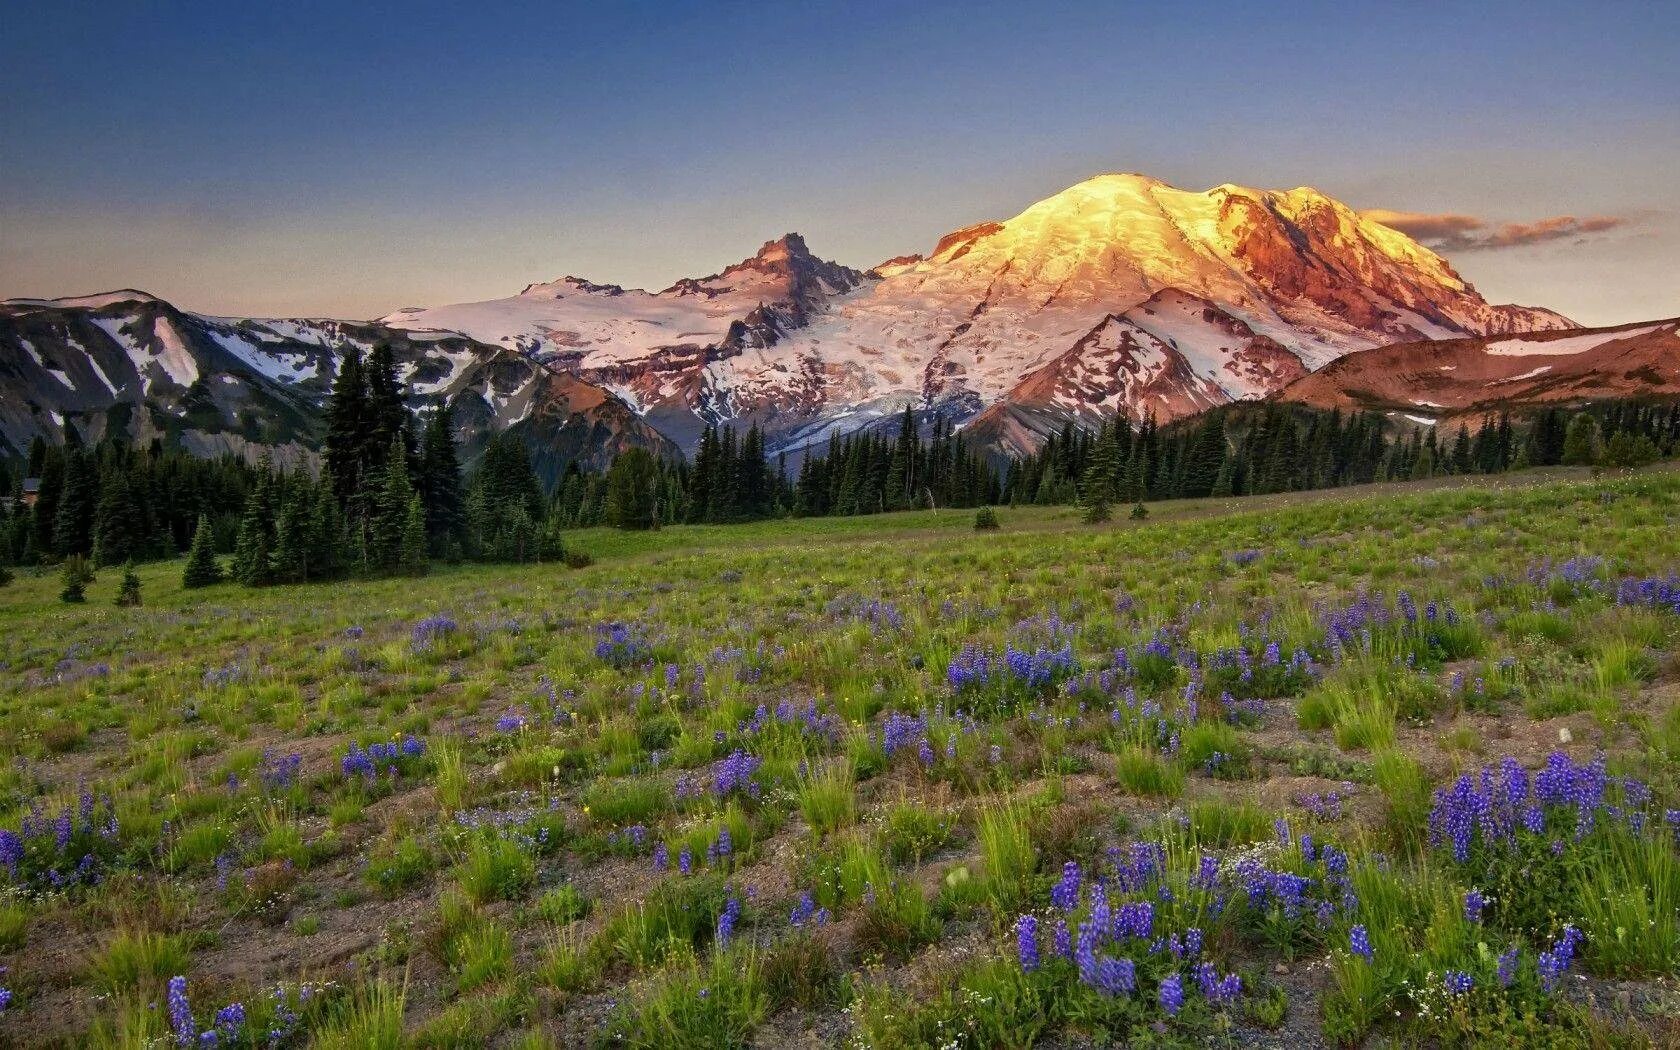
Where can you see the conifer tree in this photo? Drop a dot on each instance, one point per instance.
(1581, 442)
(346, 426)
(202, 568)
(78, 502)
(254, 548)
(128, 594)
(293, 550)
(414, 543)
(440, 483)
(1097, 487)
(630, 490)
(326, 530)
(76, 576)
(388, 513)
(120, 528)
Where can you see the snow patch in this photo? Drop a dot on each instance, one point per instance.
(1573, 344)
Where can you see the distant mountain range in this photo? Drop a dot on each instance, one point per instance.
(1119, 294)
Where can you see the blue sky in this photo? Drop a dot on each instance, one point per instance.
(343, 159)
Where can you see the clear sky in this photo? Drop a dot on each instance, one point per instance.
(346, 159)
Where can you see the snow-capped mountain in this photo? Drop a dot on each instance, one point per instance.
(1119, 293)
(1428, 382)
(130, 363)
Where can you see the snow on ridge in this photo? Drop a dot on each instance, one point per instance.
(1530, 374)
(282, 368)
(1573, 344)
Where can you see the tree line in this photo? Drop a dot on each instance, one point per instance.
(391, 496)
(1247, 449)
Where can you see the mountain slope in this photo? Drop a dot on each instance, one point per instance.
(127, 362)
(1430, 381)
(804, 346)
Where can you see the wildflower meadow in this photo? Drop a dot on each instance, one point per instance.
(1389, 767)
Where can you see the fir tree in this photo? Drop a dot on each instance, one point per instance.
(326, 531)
(346, 426)
(254, 548)
(73, 523)
(202, 568)
(128, 595)
(630, 490)
(293, 546)
(388, 513)
(1581, 443)
(440, 483)
(1097, 487)
(414, 542)
(76, 576)
(120, 528)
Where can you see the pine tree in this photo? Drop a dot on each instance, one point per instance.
(630, 490)
(293, 546)
(76, 576)
(1097, 486)
(1581, 442)
(254, 548)
(73, 523)
(202, 568)
(414, 539)
(388, 513)
(120, 527)
(128, 595)
(440, 483)
(326, 531)
(346, 426)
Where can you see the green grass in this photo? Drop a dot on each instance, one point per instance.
(509, 873)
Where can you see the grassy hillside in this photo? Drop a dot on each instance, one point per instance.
(1216, 777)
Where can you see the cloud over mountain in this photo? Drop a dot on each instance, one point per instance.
(1453, 232)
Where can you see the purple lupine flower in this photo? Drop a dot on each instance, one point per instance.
(1508, 967)
(1193, 941)
(230, 1021)
(1458, 982)
(1026, 942)
(661, 857)
(1359, 942)
(1065, 894)
(685, 861)
(726, 920)
(803, 911)
(1062, 941)
(180, 1012)
(1474, 903)
(1116, 976)
(1171, 994)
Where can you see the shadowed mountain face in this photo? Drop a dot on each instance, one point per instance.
(128, 363)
